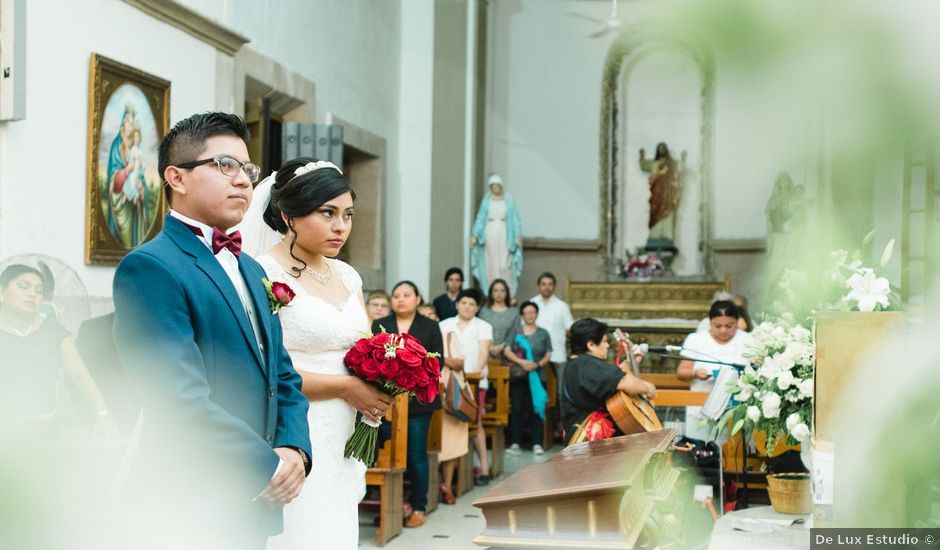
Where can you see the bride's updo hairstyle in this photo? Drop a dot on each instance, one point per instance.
(301, 186)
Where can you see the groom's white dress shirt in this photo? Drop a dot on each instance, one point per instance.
(229, 263)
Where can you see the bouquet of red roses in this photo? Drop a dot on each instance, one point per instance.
(395, 364)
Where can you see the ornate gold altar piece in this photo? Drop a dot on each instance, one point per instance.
(617, 493)
(658, 313)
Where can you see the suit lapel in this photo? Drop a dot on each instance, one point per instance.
(207, 263)
(259, 300)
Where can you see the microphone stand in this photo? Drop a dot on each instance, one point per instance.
(737, 366)
(721, 486)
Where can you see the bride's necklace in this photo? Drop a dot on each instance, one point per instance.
(322, 278)
(27, 332)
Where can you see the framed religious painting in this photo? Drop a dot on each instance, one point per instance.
(128, 115)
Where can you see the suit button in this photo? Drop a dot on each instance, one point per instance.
(270, 392)
(269, 439)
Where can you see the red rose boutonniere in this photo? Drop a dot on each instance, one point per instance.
(279, 295)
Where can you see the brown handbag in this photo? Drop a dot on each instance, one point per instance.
(458, 396)
(458, 399)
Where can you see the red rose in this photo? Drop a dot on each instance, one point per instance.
(433, 366)
(421, 376)
(363, 345)
(353, 359)
(379, 340)
(414, 345)
(409, 357)
(389, 368)
(282, 293)
(426, 395)
(370, 368)
(405, 379)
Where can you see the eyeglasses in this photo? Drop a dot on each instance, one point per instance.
(227, 166)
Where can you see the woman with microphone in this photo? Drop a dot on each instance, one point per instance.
(723, 342)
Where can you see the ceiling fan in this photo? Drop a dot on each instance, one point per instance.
(612, 23)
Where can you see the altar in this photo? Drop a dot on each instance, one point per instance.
(658, 312)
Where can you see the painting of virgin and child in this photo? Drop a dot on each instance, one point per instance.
(126, 129)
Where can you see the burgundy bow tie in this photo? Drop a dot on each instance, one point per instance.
(232, 241)
(220, 240)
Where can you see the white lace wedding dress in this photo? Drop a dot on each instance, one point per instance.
(317, 336)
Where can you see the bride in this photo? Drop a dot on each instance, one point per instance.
(311, 209)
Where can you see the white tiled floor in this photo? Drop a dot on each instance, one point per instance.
(452, 527)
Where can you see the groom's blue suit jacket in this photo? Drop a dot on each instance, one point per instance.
(212, 403)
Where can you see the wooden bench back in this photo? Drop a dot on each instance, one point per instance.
(497, 408)
(394, 452)
(672, 392)
(436, 431)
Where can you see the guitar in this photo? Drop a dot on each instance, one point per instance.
(632, 414)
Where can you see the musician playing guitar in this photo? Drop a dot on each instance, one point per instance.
(590, 380)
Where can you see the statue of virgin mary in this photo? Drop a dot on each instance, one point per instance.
(496, 239)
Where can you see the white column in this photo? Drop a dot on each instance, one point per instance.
(409, 225)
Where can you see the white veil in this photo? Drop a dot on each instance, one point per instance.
(257, 237)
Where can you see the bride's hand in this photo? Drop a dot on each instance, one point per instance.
(372, 403)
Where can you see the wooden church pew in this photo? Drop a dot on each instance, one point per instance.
(388, 472)
(434, 462)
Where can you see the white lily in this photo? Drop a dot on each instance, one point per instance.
(753, 413)
(868, 290)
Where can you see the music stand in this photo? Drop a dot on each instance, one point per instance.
(738, 368)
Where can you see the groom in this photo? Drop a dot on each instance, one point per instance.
(224, 442)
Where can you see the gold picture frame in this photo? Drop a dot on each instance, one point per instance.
(128, 115)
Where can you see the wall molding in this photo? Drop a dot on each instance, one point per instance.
(256, 75)
(734, 246)
(542, 243)
(192, 23)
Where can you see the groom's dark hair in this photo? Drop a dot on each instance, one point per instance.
(188, 138)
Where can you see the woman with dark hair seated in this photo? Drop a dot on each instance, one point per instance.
(589, 379)
(36, 351)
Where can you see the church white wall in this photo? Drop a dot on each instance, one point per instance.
(356, 53)
(544, 101)
(44, 164)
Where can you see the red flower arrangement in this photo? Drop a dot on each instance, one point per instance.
(598, 425)
(642, 266)
(395, 364)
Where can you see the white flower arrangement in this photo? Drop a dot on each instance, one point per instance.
(776, 394)
(843, 283)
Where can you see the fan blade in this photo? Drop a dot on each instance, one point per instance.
(587, 17)
(599, 33)
(48, 280)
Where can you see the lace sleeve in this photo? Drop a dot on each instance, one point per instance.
(349, 276)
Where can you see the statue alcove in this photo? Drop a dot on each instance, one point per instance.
(656, 90)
